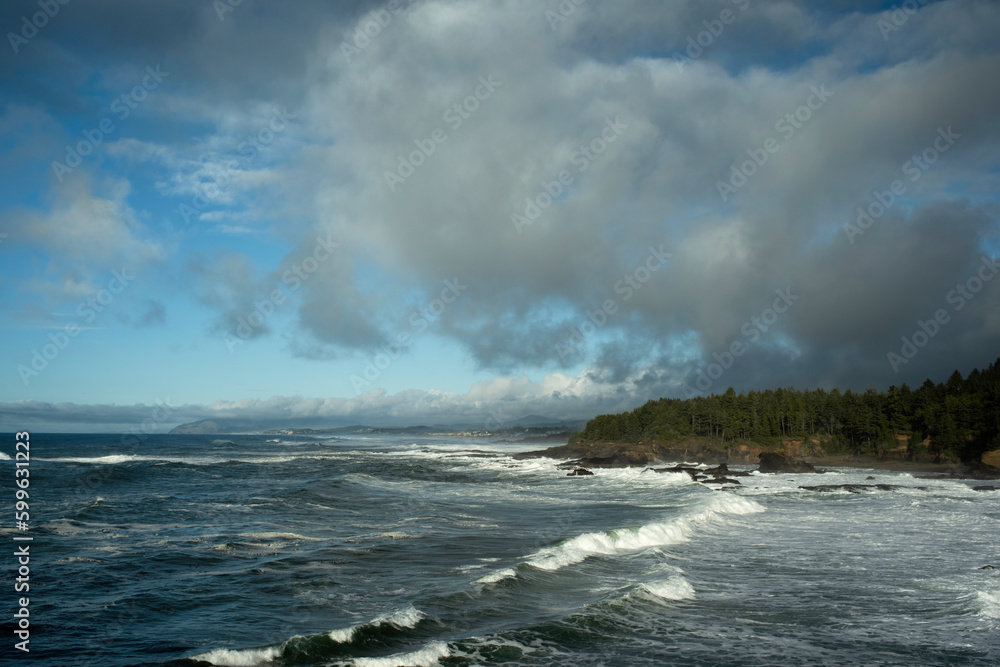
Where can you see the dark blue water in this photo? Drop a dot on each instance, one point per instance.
(390, 551)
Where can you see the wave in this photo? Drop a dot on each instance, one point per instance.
(495, 576)
(632, 539)
(248, 657)
(111, 459)
(425, 657)
(989, 603)
(333, 643)
(4, 457)
(249, 457)
(674, 588)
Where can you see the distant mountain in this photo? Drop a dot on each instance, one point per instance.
(205, 426)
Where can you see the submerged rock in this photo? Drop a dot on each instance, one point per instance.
(722, 480)
(772, 462)
(858, 488)
(579, 472)
(986, 488)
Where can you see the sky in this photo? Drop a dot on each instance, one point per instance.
(467, 211)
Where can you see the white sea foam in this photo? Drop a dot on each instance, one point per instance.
(634, 539)
(495, 576)
(279, 536)
(674, 588)
(425, 657)
(248, 657)
(4, 457)
(110, 459)
(989, 603)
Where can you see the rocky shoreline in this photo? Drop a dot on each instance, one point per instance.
(579, 458)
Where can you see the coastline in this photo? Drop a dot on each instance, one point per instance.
(619, 455)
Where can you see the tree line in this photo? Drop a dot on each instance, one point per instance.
(955, 420)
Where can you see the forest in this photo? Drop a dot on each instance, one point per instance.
(954, 420)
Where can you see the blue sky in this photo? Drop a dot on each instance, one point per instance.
(485, 207)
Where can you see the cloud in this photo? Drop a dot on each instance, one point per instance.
(492, 404)
(87, 233)
(657, 184)
(607, 138)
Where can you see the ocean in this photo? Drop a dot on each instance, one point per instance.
(387, 550)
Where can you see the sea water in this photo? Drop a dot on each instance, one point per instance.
(378, 550)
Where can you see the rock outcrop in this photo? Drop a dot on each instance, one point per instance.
(858, 488)
(774, 462)
(992, 458)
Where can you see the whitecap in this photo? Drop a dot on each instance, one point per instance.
(248, 657)
(110, 459)
(989, 603)
(4, 457)
(425, 657)
(343, 635)
(495, 576)
(404, 618)
(674, 588)
(278, 536)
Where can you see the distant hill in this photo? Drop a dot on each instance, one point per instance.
(205, 426)
(529, 426)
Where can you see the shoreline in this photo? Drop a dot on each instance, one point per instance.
(873, 463)
(623, 457)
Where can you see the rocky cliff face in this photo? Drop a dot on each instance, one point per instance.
(992, 458)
